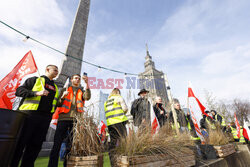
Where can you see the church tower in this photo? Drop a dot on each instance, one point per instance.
(153, 80)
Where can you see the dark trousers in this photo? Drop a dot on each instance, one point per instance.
(62, 129)
(116, 132)
(31, 139)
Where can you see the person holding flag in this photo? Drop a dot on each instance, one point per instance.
(71, 100)
(182, 119)
(239, 130)
(39, 99)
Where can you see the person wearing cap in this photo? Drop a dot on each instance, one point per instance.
(181, 117)
(140, 109)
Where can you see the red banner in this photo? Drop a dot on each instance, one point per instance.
(237, 125)
(10, 83)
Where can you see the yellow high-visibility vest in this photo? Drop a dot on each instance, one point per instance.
(211, 125)
(234, 132)
(113, 111)
(32, 103)
(223, 123)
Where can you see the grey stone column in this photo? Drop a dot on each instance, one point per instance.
(72, 64)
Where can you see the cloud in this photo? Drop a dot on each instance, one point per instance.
(30, 15)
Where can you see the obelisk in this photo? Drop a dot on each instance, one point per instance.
(72, 63)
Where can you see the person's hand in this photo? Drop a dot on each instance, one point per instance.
(65, 93)
(42, 93)
(85, 78)
(162, 112)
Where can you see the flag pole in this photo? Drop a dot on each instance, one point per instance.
(188, 97)
(172, 104)
(40, 79)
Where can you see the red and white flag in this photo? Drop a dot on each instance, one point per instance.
(154, 121)
(237, 125)
(246, 131)
(192, 96)
(102, 130)
(197, 129)
(54, 119)
(10, 83)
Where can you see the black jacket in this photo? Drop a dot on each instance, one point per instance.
(219, 118)
(203, 122)
(181, 117)
(45, 105)
(161, 117)
(140, 109)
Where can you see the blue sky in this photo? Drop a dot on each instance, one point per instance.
(202, 41)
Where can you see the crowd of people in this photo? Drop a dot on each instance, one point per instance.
(40, 97)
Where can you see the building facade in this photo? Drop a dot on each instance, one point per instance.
(153, 80)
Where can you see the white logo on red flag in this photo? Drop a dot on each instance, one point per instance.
(10, 83)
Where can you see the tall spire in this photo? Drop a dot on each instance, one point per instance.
(149, 64)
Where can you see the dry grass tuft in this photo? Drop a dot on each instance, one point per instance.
(85, 139)
(143, 142)
(217, 137)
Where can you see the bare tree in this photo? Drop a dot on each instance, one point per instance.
(242, 109)
(220, 106)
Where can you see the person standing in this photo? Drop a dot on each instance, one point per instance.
(71, 101)
(160, 111)
(140, 109)
(39, 99)
(219, 119)
(115, 110)
(182, 120)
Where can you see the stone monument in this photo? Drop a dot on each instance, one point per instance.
(72, 63)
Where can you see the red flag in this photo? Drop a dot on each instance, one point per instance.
(202, 108)
(102, 130)
(10, 83)
(237, 125)
(246, 131)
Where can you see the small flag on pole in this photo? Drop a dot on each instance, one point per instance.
(237, 125)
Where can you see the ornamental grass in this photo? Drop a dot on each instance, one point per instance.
(85, 140)
(143, 142)
(217, 137)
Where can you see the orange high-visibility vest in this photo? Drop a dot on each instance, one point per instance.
(68, 100)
